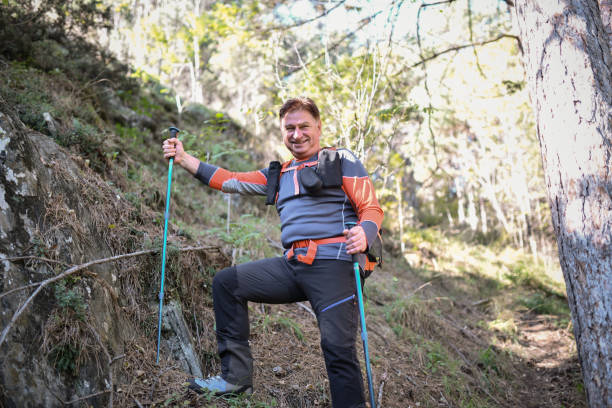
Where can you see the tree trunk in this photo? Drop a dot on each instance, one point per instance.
(483, 217)
(400, 210)
(567, 60)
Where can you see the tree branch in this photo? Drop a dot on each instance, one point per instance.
(76, 269)
(300, 23)
(364, 22)
(471, 28)
(21, 258)
(460, 47)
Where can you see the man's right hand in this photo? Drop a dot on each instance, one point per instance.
(173, 148)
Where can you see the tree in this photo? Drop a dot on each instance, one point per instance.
(568, 64)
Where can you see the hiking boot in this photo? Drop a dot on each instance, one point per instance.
(218, 386)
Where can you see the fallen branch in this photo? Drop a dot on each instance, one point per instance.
(306, 308)
(275, 244)
(464, 330)
(21, 258)
(460, 354)
(481, 302)
(8, 292)
(74, 270)
(380, 389)
(419, 288)
(95, 394)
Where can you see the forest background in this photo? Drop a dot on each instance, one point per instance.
(431, 97)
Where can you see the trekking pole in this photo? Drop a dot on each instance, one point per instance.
(173, 132)
(364, 332)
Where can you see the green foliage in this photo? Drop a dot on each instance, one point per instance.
(423, 235)
(398, 112)
(213, 145)
(135, 136)
(246, 401)
(64, 358)
(23, 89)
(247, 234)
(292, 326)
(539, 302)
(270, 323)
(513, 86)
(70, 299)
(404, 314)
(530, 274)
(436, 356)
(488, 359)
(27, 21)
(32, 93)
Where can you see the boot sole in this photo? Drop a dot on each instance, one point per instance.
(245, 389)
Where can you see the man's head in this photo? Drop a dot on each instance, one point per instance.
(300, 126)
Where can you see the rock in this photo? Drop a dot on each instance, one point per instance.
(38, 174)
(178, 339)
(50, 124)
(115, 110)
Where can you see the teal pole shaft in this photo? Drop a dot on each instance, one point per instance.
(173, 132)
(364, 332)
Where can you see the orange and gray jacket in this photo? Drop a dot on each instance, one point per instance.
(308, 216)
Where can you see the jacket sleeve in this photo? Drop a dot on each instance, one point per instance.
(359, 188)
(247, 183)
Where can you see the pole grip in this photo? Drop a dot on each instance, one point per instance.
(349, 225)
(173, 131)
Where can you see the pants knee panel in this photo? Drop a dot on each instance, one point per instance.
(226, 279)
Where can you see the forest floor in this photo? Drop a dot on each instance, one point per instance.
(437, 338)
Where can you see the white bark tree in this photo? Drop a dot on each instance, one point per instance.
(568, 63)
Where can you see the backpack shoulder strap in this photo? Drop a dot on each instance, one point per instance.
(274, 173)
(330, 167)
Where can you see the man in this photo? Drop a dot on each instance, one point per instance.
(317, 263)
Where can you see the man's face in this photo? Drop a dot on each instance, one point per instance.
(301, 133)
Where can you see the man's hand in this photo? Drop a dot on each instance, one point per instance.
(173, 148)
(356, 240)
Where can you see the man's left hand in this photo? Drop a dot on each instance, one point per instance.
(356, 240)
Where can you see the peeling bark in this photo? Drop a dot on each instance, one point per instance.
(568, 64)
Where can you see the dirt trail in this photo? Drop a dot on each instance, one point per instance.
(552, 375)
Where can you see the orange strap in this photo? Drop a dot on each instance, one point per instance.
(285, 168)
(312, 245)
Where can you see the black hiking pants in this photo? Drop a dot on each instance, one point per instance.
(329, 286)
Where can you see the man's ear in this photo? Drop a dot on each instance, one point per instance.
(319, 124)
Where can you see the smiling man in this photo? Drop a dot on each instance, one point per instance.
(301, 133)
(316, 194)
